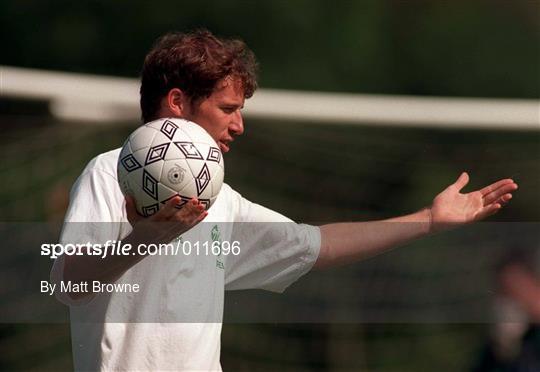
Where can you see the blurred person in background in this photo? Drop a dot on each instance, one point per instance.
(514, 344)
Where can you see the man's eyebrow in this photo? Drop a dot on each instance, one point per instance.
(232, 104)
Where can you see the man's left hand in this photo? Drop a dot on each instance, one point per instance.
(451, 207)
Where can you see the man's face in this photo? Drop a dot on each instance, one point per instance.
(220, 113)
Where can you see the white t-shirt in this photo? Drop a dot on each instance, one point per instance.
(119, 331)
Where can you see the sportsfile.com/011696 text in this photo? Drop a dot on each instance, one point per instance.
(117, 248)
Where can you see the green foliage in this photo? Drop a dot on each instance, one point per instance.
(472, 48)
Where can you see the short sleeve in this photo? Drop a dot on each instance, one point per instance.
(95, 198)
(274, 250)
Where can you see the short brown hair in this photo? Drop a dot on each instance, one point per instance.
(193, 62)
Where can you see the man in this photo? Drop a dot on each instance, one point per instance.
(175, 322)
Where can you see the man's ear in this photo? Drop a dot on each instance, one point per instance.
(176, 103)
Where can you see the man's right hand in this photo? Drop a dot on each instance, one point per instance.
(163, 227)
(168, 223)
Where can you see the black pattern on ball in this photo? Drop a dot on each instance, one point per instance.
(169, 129)
(203, 179)
(150, 185)
(189, 150)
(156, 153)
(183, 200)
(214, 155)
(150, 210)
(130, 163)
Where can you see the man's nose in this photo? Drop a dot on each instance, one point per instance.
(237, 125)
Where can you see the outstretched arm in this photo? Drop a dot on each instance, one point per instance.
(348, 242)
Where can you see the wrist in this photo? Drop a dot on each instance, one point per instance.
(428, 218)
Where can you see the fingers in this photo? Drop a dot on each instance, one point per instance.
(172, 220)
(497, 199)
(187, 213)
(495, 186)
(462, 181)
(192, 213)
(169, 209)
(488, 211)
(184, 219)
(502, 190)
(504, 199)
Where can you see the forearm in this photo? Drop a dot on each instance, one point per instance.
(108, 268)
(89, 268)
(354, 241)
(162, 228)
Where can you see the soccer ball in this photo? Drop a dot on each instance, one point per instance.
(167, 158)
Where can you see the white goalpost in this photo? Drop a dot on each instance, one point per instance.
(101, 99)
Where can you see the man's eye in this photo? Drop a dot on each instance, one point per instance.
(229, 110)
